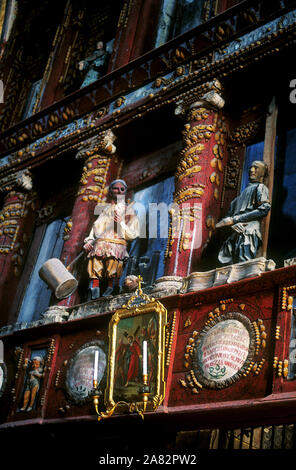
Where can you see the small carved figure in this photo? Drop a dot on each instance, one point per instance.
(32, 384)
(244, 217)
(106, 245)
(94, 65)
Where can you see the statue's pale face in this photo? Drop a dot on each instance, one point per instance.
(256, 173)
(116, 190)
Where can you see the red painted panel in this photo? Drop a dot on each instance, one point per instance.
(60, 403)
(256, 383)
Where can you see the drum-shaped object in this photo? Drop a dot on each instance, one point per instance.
(58, 278)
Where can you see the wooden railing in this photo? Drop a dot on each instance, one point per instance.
(218, 31)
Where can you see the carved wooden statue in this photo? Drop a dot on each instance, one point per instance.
(244, 217)
(94, 65)
(106, 245)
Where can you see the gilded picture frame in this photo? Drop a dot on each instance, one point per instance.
(128, 328)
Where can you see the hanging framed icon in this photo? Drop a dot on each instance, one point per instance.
(129, 329)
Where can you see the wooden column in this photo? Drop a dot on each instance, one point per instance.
(268, 158)
(60, 56)
(136, 33)
(16, 228)
(198, 181)
(100, 168)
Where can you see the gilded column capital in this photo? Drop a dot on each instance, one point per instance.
(102, 143)
(208, 95)
(21, 180)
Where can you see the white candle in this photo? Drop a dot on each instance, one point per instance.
(144, 357)
(96, 365)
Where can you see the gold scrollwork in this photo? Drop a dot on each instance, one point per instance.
(180, 221)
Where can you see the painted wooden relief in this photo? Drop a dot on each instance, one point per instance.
(33, 380)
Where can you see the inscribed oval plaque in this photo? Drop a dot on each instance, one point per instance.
(224, 351)
(80, 373)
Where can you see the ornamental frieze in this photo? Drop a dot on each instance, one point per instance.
(64, 121)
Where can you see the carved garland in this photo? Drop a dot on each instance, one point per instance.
(281, 366)
(239, 137)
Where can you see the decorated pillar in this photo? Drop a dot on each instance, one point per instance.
(136, 31)
(16, 227)
(64, 46)
(101, 166)
(198, 180)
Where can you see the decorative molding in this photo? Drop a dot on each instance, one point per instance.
(245, 133)
(265, 36)
(20, 180)
(232, 173)
(207, 95)
(228, 274)
(103, 142)
(285, 296)
(11, 216)
(170, 339)
(96, 152)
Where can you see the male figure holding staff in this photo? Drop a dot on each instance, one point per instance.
(106, 245)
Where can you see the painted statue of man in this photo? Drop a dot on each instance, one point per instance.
(94, 65)
(106, 245)
(244, 218)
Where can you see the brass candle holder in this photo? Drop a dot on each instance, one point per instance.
(145, 391)
(132, 406)
(95, 396)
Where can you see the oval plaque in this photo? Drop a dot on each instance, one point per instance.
(224, 351)
(79, 380)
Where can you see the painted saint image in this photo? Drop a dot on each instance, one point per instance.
(128, 371)
(128, 354)
(152, 350)
(133, 355)
(32, 382)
